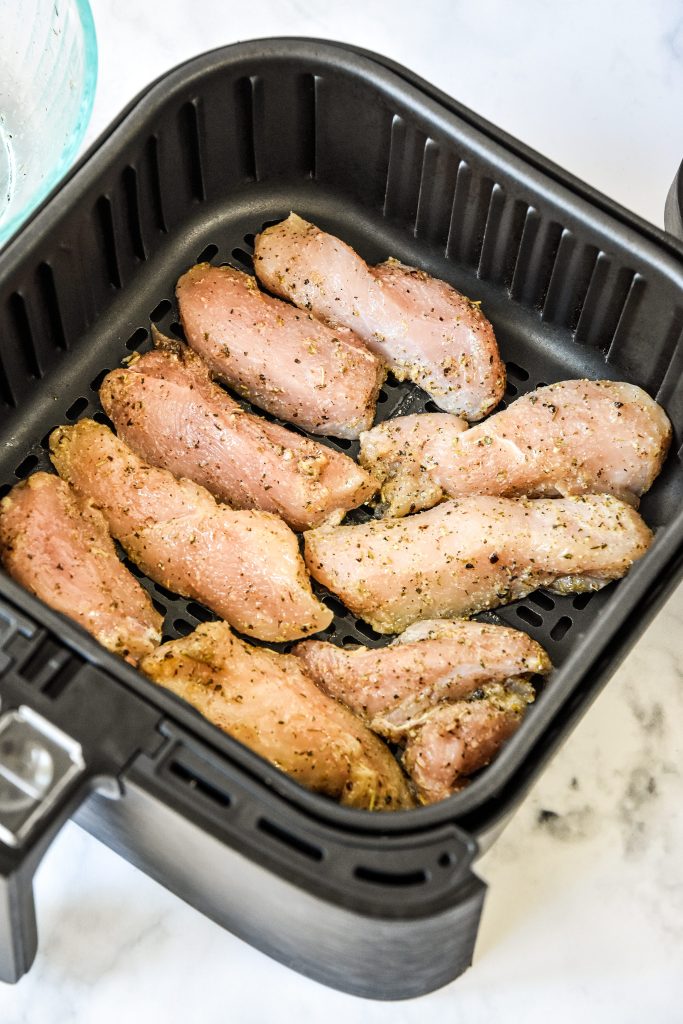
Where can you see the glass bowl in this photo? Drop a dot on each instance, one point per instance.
(48, 70)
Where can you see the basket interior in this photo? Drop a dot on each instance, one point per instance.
(194, 173)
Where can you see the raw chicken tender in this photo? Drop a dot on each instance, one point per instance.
(424, 329)
(458, 739)
(574, 437)
(475, 553)
(393, 688)
(166, 408)
(282, 360)
(57, 545)
(245, 566)
(266, 701)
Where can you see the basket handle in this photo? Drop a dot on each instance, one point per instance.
(673, 209)
(43, 780)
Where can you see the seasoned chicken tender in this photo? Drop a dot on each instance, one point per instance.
(394, 452)
(282, 360)
(393, 688)
(243, 565)
(57, 545)
(468, 555)
(424, 329)
(573, 437)
(266, 701)
(167, 409)
(457, 739)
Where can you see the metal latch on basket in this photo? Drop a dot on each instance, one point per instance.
(37, 762)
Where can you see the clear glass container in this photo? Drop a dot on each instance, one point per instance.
(48, 70)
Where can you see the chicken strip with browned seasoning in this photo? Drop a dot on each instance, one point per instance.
(574, 437)
(57, 545)
(282, 360)
(266, 701)
(475, 553)
(167, 409)
(243, 565)
(424, 329)
(392, 688)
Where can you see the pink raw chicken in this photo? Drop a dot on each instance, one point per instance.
(458, 739)
(57, 545)
(476, 553)
(393, 688)
(266, 701)
(166, 408)
(283, 361)
(423, 328)
(245, 566)
(574, 437)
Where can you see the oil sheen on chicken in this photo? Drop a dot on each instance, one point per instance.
(574, 437)
(282, 360)
(166, 408)
(57, 545)
(423, 328)
(468, 555)
(243, 565)
(266, 701)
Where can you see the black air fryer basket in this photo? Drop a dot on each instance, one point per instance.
(381, 905)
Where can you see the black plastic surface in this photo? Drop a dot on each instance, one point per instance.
(673, 210)
(88, 705)
(234, 140)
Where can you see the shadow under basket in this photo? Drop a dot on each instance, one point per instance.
(381, 905)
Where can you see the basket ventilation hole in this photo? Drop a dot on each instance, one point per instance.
(446, 860)
(395, 879)
(176, 330)
(25, 467)
(518, 372)
(526, 614)
(5, 489)
(196, 782)
(76, 408)
(242, 257)
(334, 605)
(561, 628)
(102, 418)
(249, 240)
(510, 389)
(367, 631)
(581, 600)
(161, 608)
(542, 600)
(160, 311)
(137, 338)
(294, 842)
(343, 442)
(96, 382)
(183, 627)
(207, 253)
(197, 611)
(382, 397)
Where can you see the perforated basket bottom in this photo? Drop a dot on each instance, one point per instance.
(533, 355)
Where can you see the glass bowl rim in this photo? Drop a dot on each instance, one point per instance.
(9, 227)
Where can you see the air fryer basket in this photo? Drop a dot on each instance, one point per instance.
(574, 287)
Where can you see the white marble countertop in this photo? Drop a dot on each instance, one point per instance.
(584, 917)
